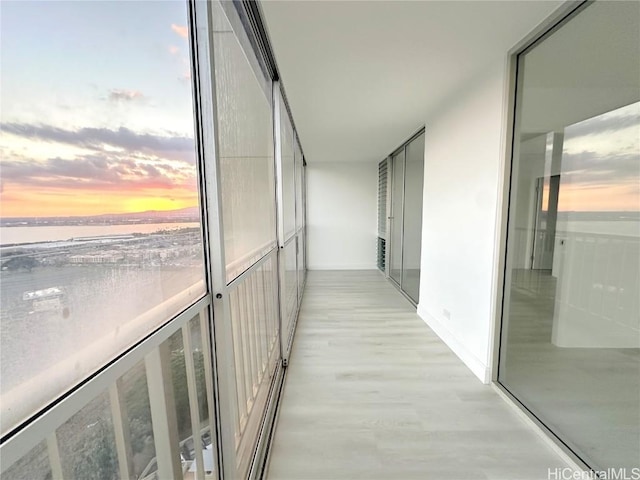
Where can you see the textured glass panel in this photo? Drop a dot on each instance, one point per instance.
(412, 234)
(87, 444)
(33, 466)
(397, 199)
(138, 417)
(100, 227)
(288, 173)
(245, 136)
(570, 348)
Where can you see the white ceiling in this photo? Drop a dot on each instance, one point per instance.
(362, 76)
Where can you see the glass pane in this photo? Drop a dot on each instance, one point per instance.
(300, 263)
(246, 154)
(299, 214)
(397, 199)
(570, 348)
(138, 417)
(201, 360)
(99, 189)
(412, 235)
(33, 466)
(198, 362)
(299, 185)
(87, 444)
(181, 396)
(288, 173)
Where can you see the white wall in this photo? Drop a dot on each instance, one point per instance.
(342, 215)
(463, 152)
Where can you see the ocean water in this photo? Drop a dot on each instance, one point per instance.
(600, 227)
(39, 329)
(15, 235)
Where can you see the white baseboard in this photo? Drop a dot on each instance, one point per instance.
(358, 266)
(478, 368)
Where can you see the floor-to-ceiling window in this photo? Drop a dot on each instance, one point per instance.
(101, 245)
(140, 214)
(248, 200)
(291, 218)
(570, 341)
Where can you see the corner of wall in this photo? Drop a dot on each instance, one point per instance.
(477, 367)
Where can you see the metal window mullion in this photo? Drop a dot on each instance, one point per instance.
(192, 390)
(163, 411)
(53, 452)
(121, 430)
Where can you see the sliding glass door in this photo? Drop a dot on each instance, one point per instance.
(397, 211)
(570, 346)
(412, 225)
(407, 167)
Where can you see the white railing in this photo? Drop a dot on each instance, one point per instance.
(255, 330)
(99, 424)
(52, 381)
(597, 302)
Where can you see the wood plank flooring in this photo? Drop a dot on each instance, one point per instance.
(371, 392)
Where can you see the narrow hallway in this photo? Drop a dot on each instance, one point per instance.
(372, 392)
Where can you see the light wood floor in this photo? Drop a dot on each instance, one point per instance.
(371, 392)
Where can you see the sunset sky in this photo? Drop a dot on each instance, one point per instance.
(96, 108)
(601, 163)
(97, 116)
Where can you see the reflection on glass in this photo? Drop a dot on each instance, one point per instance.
(570, 349)
(99, 190)
(33, 466)
(198, 362)
(412, 225)
(181, 397)
(136, 400)
(87, 445)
